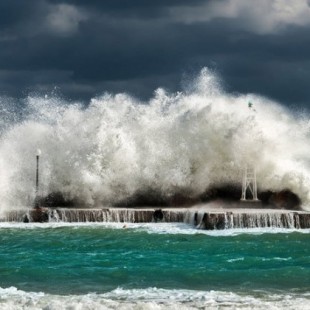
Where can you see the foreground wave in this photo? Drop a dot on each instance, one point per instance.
(152, 298)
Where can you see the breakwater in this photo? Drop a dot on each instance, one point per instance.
(200, 219)
(229, 220)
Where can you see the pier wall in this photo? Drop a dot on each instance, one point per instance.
(197, 218)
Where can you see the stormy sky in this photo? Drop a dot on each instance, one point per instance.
(84, 48)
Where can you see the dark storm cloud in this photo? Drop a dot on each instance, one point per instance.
(88, 47)
(15, 11)
(128, 8)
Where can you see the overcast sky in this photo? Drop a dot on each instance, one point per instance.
(87, 47)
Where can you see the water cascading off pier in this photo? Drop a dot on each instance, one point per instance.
(199, 219)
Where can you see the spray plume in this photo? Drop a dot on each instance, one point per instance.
(184, 142)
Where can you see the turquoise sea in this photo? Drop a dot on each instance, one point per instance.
(152, 266)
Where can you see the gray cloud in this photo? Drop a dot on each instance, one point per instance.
(64, 19)
(88, 47)
(260, 17)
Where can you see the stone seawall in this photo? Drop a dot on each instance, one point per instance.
(229, 220)
(200, 219)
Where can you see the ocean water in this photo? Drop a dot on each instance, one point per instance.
(114, 148)
(152, 266)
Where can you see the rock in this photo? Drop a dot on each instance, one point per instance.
(213, 221)
(39, 215)
(56, 199)
(158, 215)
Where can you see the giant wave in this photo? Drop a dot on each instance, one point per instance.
(117, 147)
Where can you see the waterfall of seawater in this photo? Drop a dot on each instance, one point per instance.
(198, 219)
(112, 215)
(226, 220)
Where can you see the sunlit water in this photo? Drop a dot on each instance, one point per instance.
(152, 266)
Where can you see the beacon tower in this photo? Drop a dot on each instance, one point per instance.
(249, 186)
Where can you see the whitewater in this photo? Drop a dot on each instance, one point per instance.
(116, 146)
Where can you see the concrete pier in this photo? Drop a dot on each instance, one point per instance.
(201, 218)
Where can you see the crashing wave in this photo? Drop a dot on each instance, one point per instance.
(182, 143)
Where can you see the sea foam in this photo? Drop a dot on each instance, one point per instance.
(154, 228)
(151, 298)
(116, 146)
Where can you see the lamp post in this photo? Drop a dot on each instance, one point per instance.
(36, 201)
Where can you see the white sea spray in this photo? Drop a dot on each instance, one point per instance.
(181, 142)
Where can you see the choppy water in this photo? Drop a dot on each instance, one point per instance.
(152, 266)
